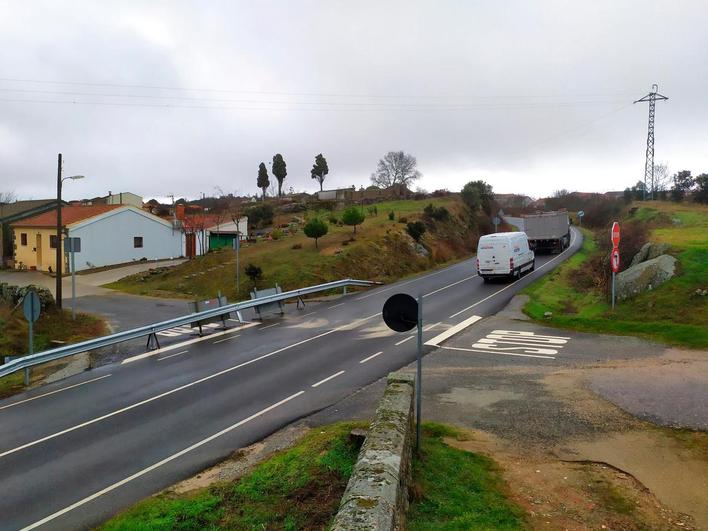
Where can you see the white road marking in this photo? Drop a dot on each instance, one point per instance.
(328, 378)
(526, 342)
(185, 343)
(268, 326)
(570, 246)
(154, 466)
(499, 353)
(452, 331)
(172, 355)
(311, 313)
(182, 387)
(449, 286)
(54, 392)
(371, 357)
(336, 306)
(430, 327)
(226, 339)
(381, 290)
(404, 340)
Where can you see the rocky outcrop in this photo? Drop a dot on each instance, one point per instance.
(377, 493)
(649, 251)
(645, 276)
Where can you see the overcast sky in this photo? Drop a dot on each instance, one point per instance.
(174, 97)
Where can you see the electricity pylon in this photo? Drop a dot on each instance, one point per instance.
(649, 164)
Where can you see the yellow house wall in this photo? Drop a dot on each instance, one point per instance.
(27, 254)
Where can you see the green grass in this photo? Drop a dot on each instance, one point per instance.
(458, 490)
(378, 252)
(671, 313)
(299, 488)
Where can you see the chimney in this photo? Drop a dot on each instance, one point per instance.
(179, 212)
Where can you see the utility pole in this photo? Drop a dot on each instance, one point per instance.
(58, 293)
(652, 97)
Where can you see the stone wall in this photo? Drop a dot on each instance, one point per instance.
(377, 493)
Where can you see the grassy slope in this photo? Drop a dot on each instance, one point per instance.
(670, 313)
(378, 253)
(52, 325)
(301, 488)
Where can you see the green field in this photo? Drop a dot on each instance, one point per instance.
(301, 488)
(379, 251)
(671, 313)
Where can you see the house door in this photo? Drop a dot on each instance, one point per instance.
(38, 244)
(191, 245)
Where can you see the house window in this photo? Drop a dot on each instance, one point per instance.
(23, 238)
(138, 242)
(53, 241)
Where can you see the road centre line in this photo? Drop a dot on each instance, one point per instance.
(371, 357)
(336, 306)
(447, 334)
(570, 245)
(185, 343)
(404, 340)
(226, 339)
(311, 313)
(172, 355)
(500, 353)
(449, 286)
(328, 378)
(268, 326)
(154, 466)
(181, 387)
(431, 326)
(377, 291)
(54, 392)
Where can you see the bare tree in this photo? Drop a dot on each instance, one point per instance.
(662, 179)
(396, 167)
(7, 197)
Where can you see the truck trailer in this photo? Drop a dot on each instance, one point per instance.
(548, 231)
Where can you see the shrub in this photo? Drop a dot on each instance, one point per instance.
(416, 230)
(373, 211)
(333, 219)
(277, 234)
(315, 228)
(391, 215)
(436, 213)
(403, 219)
(353, 216)
(297, 246)
(260, 215)
(254, 273)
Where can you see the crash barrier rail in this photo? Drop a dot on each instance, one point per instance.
(269, 308)
(26, 362)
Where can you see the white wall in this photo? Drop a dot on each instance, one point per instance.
(108, 239)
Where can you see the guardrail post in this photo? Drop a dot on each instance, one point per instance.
(27, 376)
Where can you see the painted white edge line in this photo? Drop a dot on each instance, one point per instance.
(500, 353)
(54, 392)
(449, 286)
(182, 387)
(570, 246)
(431, 326)
(154, 466)
(226, 339)
(404, 340)
(381, 290)
(268, 326)
(311, 313)
(172, 355)
(371, 357)
(336, 306)
(447, 334)
(185, 343)
(328, 378)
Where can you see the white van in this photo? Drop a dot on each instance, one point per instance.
(504, 254)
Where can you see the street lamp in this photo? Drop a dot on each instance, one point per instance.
(60, 180)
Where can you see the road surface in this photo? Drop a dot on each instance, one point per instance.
(74, 453)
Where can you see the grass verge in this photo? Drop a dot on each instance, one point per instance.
(454, 489)
(671, 313)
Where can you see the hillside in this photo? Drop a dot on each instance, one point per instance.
(674, 312)
(380, 250)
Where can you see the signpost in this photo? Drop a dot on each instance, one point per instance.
(614, 257)
(73, 246)
(581, 213)
(31, 307)
(402, 313)
(237, 247)
(496, 222)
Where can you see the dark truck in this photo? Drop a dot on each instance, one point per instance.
(547, 231)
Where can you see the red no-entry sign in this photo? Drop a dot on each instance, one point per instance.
(615, 234)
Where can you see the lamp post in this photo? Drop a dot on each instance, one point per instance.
(59, 259)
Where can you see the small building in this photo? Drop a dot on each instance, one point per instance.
(110, 235)
(12, 213)
(224, 234)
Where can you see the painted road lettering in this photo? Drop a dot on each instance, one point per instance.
(520, 341)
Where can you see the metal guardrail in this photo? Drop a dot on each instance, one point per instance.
(26, 362)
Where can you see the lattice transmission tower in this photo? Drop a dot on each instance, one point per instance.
(652, 97)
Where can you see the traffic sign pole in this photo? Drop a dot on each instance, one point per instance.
(419, 373)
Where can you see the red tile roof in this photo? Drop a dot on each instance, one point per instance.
(69, 214)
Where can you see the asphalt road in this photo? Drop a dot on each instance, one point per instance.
(74, 453)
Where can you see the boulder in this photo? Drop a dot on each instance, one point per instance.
(645, 276)
(649, 251)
